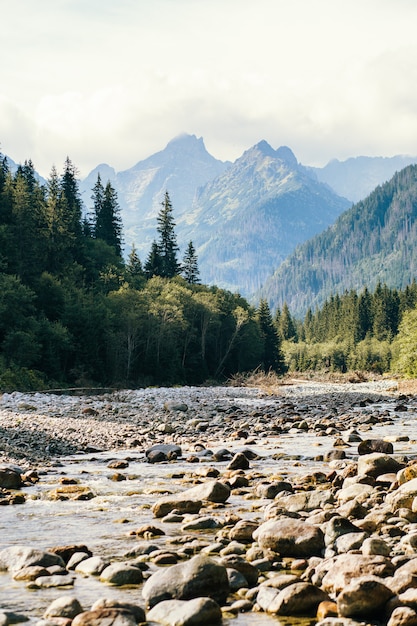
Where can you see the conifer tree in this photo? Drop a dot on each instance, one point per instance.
(168, 247)
(135, 274)
(154, 262)
(272, 357)
(108, 225)
(190, 265)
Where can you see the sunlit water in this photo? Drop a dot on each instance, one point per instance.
(103, 523)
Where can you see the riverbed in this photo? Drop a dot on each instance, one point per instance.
(96, 429)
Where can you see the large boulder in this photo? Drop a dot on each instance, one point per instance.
(363, 597)
(191, 500)
(196, 612)
(10, 478)
(377, 463)
(304, 500)
(297, 599)
(200, 576)
(15, 558)
(105, 617)
(345, 567)
(290, 537)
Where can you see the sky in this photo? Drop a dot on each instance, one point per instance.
(113, 81)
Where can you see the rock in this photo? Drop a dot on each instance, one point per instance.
(105, 617)
(403, 496)
(54, 580)
(363, 597)
(377, 463)
(197, 612)
(120, 574)
(171, 405)
(10, 478)
(305, 501)
(166, 451)
(67, 552)
(243, 531)
(367, 446)
(239, 461)
(190, 501)
(236, 580)
(297, 599)
(16, 558)
(349, 542)
(93, 566)
(403, 616)
(345, 567)
(71, 492)
(375, 545)
(338, 526)
(202, 523)
(64, 606)
(31, 573)
(358, 492)
(407, 473)
(290, 537)
(249, 571)
(200, 576)
(109, 603)
(271, 490)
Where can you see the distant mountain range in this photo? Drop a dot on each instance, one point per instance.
(244, 218)
(374, 241)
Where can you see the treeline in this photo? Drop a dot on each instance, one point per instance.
(74, 312)
(355, 331)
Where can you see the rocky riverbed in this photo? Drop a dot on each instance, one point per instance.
(249, 507)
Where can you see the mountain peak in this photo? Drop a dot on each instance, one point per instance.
(187, 142)
(265, 148)
(286, 154)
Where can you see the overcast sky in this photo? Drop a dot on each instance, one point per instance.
(112, 81)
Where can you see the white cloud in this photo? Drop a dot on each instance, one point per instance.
(114, 81)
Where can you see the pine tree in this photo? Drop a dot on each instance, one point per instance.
(190, 265)
(135, 274)
(287, 326)
(272, 357)
(168, 247)
(108, 225)
(154, 262)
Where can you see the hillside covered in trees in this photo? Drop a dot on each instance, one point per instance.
(73, 312)
(373, 242)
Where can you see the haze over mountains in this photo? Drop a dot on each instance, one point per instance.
(246, 217)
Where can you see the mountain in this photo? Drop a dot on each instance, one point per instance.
(181, 167)
(247, 220)
(356, 177)
(373, 241)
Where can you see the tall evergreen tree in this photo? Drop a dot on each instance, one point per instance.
(272, 357)
(190, 269)
(168, 247)
(154, 262)
(135, 274)
(108, 224)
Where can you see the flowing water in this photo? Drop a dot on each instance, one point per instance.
(119, 507)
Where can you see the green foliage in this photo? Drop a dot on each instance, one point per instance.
(405, 346)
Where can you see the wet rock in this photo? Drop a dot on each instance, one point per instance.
(16, 558)
(403, 496)
(179, 502)
(248, 570)
(167, 451)
(271, 490)
(200, 576)
(10, 478)
(31, 573)
(304, 501)
(236, 580)
(202, 523)
(105, 617)
(199, 611)
(93, 566)
(338, 526)
(239, 461)
(211, 490)
(290, 537)
(71, 492)
(54, 580)
(64, 606)
(120, 574)
(67, 552)
(364, 597)
(172, 405)
(110, 603)
(367, 446)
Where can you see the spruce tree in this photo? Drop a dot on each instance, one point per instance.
(108, 225)
(135, 274)
(272, 357)
(168, 247)
(190, 265)
(154, 263)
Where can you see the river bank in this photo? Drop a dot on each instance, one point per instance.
(283, 488)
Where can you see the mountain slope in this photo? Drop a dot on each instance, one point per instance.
(246, 221)
(357, 177)
(373, 241)
(181, 167)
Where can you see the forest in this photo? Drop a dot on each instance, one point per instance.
(75, 313)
